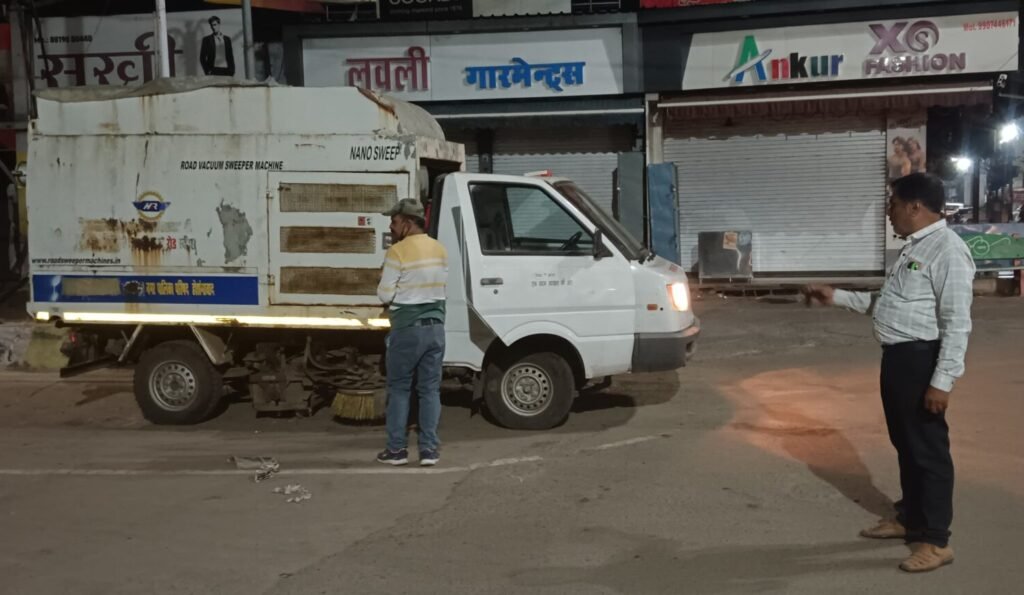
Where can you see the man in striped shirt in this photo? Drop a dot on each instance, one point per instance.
(413, 287)
(922, 317)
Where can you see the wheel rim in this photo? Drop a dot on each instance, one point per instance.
(527, 390)
(173, 386)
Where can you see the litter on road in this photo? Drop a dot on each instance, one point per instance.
(295, 492)
(265, 467)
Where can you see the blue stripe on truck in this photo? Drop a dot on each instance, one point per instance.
(146, 289)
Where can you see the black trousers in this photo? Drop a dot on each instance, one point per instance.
(921, 439)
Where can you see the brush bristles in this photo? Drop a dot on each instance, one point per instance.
(356, 407)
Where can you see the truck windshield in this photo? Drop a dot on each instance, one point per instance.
(631, 247)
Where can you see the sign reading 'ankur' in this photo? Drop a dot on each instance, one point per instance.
(853, 51)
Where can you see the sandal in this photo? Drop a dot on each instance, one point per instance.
(927, 557)
(885, 529)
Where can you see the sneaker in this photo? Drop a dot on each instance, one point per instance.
(390, 457)
(429, 458)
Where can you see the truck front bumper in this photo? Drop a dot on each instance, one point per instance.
(660, 352)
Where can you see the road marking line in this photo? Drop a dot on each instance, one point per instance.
(296, 472)
(395, 470)
(629, 442)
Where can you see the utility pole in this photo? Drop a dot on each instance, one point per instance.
(250, 56)
(161, 37)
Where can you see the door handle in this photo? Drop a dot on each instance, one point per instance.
(492, 281)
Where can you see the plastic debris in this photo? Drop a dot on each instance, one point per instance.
(295, 492)
(265, 467)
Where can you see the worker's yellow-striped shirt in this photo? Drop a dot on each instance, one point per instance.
(414, 279)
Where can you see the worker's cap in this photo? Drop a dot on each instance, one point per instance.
(410, 207)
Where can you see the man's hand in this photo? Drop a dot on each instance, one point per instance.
(936, 400)
(823, 294)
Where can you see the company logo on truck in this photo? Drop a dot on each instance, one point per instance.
(151, 206)
(375, 153)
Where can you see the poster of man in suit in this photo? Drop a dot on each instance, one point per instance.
(216, 55)
(122, 50)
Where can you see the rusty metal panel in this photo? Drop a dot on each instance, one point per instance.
(337, 198)
(331, 240)
(329, 281)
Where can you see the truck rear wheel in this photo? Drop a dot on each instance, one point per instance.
(529, 391)
(175, 384)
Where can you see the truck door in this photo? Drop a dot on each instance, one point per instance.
(327, 235)
(532, 270)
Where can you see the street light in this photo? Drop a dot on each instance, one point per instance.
(1009, 133)
(963, 164)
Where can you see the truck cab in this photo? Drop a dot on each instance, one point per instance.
(547, 291)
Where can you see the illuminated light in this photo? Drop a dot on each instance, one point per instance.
(379, 322)
(1009, 133)
(43, 316)
(268, 321)
(153, 318)
(297, 321)
(680, 296)
(962, 164)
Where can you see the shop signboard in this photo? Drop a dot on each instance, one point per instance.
(868, 50)
(121, 50)
(512, 65)
(682, 3)
(507, 8)
(424, 10)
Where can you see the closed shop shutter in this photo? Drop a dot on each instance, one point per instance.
(812, 191)
(588, 156)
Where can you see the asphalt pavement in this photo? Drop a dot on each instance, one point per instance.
(750, 471)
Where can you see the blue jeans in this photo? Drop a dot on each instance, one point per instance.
(415, 354)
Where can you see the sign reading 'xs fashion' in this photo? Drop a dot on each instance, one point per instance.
(475, 66)
(853, 51)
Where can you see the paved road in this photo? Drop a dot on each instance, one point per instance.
(749, 472)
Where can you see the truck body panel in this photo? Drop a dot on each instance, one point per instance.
(159, 205)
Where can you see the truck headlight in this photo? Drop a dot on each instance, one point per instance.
(679, 295)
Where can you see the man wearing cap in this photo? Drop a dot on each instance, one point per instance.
(413, 288)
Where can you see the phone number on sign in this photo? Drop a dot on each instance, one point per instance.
(990, 24)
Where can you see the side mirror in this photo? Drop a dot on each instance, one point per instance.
(600, 251)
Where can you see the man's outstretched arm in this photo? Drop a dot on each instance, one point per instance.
(858, 301)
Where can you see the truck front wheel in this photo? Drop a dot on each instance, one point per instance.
(175, 384)
(529, 391)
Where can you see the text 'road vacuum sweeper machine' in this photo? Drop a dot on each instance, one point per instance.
(222, 236)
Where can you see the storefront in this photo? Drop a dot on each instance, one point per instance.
(520, 101)
(792, 133)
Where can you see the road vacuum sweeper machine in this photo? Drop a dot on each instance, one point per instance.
(216, 234)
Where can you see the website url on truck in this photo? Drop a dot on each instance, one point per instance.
(90, 260)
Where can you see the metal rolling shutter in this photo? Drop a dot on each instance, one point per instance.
(472, 157)
(812, 191)
(588, 156)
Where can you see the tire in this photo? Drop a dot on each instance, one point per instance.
(175, 384)
(529, 391)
